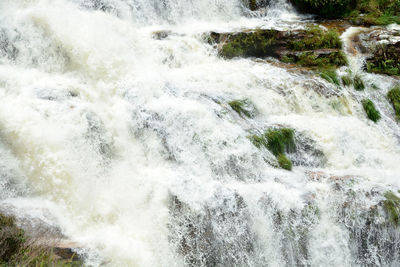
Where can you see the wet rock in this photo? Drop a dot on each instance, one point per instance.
(217, 234)
(7, 48)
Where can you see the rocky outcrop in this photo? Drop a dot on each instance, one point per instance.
(313, 47)
(385, 59)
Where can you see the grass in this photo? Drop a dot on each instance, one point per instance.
(278, 142)
(371, 111)
(16, 249)
(250, 44)
(243, 107)
(330, 75)
(394, 97)
(347, 80)
(358, 83)
(392, 207)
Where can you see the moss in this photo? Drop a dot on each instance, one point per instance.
(284, 162)
(259, 43)
(277, 141)
(317, 38)
(394, 97)
(371, 111)
(392, 207)
(313, 59)
(280, 140)
(358, 83)
(258, 141)
(330, 75)
(243, 107)
(347, 80)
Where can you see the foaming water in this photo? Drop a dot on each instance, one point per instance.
(129, 143)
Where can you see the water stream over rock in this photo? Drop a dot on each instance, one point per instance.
(116, 127)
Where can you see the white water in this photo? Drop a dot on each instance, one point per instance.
(103, 128)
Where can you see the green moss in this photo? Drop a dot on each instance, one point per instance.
(284, 162)
(330, 75)
(392, 207)
(371, 111)
(317, 38)
(385, 59)
(347, 80)
(259, 43)
(243, 107)
(258, 141)
(358, 83)
(394, 97)
(280, 140)
(313, 59)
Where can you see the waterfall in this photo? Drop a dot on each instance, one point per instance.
(127, 143)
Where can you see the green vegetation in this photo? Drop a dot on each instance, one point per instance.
(16, 249)
(386, 60)
(243, 107)
(317, 38)
(312, 59)
(330, 75)
(251, 44)
(278, 141)
(284, 162)
(371, 111)
(394, 97)
(358, 83)
(366, 12)
(392, 207)
(346, 80)
(324, 8)
(376, 12)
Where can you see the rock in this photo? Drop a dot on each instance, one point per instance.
(312, 47)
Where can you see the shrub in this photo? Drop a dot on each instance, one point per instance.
(371, 111)
(324, 8)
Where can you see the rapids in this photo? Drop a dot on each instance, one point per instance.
(127, 144)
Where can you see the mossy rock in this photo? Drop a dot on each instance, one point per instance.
(372, 113)
(385, 60)
(317, 38)
(259, 43)
(394, 97)
(317, 59)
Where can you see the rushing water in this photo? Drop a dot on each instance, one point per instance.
(127, 143)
